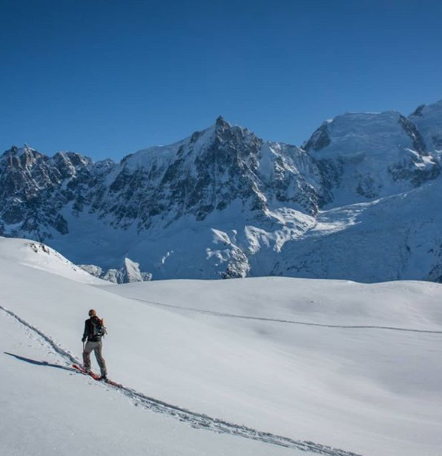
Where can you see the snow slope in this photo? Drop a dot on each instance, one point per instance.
(40, 256)
(391, 238)
(341, 364)
(49, 410)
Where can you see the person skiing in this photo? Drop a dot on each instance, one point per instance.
(94, 330)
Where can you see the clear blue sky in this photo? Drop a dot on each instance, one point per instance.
(109, 77)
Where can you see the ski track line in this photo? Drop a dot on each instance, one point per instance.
(275, 320)
(196, 420)
(60, 351)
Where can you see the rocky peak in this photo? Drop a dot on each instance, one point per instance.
(69, 164)
(22, 157)
(418, 111)
(221, 124)
(428, 120)
(235, 140)
(74, 158)
(319, 139)
(15, 150)
(12, 151)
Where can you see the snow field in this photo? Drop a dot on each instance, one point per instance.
(351, 382)
(49, 410)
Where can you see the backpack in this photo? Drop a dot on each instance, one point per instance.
(97, 327)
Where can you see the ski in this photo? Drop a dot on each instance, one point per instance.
(112, 383)
(96, 377)
(91, 374)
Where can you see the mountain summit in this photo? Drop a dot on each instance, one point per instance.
(225, 203)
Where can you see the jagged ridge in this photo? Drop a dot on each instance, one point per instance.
(221, 203)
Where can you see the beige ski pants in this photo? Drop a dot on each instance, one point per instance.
(88, 349)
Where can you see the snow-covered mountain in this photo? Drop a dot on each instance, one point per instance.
(225, 203)
(370, 156)
(261, 366)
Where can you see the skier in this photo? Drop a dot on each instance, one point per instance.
(94, 330)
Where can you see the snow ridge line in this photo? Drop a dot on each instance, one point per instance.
(196, 420)
(291, 322)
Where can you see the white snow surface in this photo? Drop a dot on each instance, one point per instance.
(366, 145)
(39, 256)
(352, 366)
(50, 410)
(389, 239)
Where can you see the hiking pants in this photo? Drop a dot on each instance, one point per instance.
(96, 347)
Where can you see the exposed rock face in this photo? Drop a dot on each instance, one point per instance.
(319, 139)
(35, 188)
(197, 176)
(206, 173)
(222, 203)
(428, 120)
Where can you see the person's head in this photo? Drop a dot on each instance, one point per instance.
(92, 313)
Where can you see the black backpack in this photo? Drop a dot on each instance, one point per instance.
(97, 328)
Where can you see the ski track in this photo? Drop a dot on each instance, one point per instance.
(291, 322)
(196, 420)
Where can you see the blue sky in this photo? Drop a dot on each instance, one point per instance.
(106, 77)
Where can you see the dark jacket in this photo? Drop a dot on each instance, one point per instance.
(91, 328)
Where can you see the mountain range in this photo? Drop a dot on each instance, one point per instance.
(358, 201)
